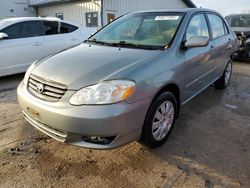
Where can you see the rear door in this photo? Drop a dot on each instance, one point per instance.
(60, 35)
(222, 46)
(198, 61)
(23, 46)
(71, 33)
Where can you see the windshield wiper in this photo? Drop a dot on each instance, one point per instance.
(99, 42)
(126, 44)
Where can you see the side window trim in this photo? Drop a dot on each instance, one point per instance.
(209, 27)
(41, 28)
(226, 28)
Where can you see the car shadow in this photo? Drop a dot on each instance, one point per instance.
(10, 82)
(211, 139)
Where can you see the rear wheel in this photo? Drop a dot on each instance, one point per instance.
(159, 120)
(223, 81)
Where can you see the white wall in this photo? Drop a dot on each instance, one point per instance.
(73, 12)
(120, 7)
(15, 8)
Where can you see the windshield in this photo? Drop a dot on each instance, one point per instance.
(142, 29)
(240, 21)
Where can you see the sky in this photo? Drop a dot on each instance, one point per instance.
(225, 7)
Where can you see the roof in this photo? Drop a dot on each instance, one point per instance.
(16, 19)
(41, 3)
(9, 21)
(185, 10)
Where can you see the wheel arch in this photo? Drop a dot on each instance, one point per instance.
(174, 89)
(169, 87)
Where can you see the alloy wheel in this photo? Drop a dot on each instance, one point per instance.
(228, 73)
(163, 120)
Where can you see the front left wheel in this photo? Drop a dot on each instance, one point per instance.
(160, 120)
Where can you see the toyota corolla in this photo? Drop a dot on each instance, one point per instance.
(128, 81)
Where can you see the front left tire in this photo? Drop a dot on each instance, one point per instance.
(160, 120)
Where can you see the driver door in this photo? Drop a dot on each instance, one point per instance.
(198, 59)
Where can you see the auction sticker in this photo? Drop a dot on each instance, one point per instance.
(167, 17)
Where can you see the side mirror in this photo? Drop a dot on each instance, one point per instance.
(3, 36)
(197, 42)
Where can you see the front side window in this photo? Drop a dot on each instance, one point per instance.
(197, 27)
(92, 19)
(51, 27)
(24, 30)
(148, 29)
(217, 25)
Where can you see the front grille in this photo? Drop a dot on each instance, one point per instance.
(45, 89)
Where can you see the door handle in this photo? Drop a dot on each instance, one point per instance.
(212, 46)
(37, 44)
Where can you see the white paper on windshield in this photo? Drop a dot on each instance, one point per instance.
(167, 17)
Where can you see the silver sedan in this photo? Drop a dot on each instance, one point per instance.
(128, 81)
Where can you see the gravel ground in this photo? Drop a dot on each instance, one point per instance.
(209, 147)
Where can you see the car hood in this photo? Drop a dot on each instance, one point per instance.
(86, 64)
(241, 29)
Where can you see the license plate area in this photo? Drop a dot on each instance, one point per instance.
(33, 112)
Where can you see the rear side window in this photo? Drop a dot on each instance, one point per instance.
(217, 25)
(24, 30)
(197, 27)
(67, 28)
(51, 27)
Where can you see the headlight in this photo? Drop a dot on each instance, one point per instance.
(107, 92)
(27, 74)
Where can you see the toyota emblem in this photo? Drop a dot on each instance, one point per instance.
(40, 88)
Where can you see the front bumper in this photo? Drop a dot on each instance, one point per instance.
(122, 122)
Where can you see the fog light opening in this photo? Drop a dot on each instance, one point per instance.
(98, 139)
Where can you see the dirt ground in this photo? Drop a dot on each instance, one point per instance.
(209, 147)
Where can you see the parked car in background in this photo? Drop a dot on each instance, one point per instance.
(240, 24)
(129, 80)
(28, 39)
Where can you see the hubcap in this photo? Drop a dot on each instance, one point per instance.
(163, 120)
(228, 73)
